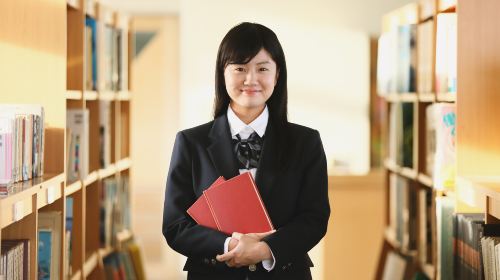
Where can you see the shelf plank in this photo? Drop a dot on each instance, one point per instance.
(73, 4)
(123, 95)
(446, 5)
(123, 164)
(73, 95)
(446, 97)
(402, 97)
(49, 192)
(425, 180)
(90, 264)
(392, 166)
(107, 95)
(77, 275)
(427, 97)
(124, 235)
(474, 190)
(429, 270)
(91, 178)
(104, 252)
(389, 237)
(74, 187)
(90, 95)
(408, 173)
(90, 8)
(107, 172)
(18, 204)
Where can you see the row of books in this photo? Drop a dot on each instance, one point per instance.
(14, 261)
(124, 264)
(115, 209)
(406, 57)
(112, 65)
(440, 140)
(21, 143)
(77, 129)
(403, 211)
(401, 120)
(464, 251)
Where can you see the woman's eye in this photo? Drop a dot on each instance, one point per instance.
(263, 69)
(239, 69)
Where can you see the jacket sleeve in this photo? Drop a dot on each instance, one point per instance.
(305, 230)
(181, 232)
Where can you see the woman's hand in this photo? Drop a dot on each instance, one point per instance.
(246, 249)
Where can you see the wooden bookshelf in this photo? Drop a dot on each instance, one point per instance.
(47, 43)
(476, 186)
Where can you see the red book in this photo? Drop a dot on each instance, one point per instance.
(200, 211)
(236, 206)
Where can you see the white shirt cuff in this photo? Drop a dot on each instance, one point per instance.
(226, 245)
(269, 264)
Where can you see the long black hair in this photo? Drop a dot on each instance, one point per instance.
(239, 46)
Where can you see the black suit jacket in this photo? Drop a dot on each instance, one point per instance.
(294, 192)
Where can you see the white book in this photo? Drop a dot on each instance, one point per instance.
(394, 268)
(77, 121)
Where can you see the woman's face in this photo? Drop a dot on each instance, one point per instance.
(250, 85)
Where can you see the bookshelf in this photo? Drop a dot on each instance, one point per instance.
(474, 184)
(45, 60)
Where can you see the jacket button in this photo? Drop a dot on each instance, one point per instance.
(284, 267)
(205, 261)
(252, 267)
(213, 261)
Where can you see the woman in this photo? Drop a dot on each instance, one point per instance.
(287, 161)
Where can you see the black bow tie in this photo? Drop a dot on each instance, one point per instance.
(248, 150)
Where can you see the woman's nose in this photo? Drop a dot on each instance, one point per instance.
(251, 78)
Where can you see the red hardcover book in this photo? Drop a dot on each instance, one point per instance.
(200, 211)
(236, 206)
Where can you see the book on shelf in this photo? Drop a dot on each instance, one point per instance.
(68, 271)
(91, 51)
(401, 134)
(425, 59)
(445, 207)
(395, 266)
(236, 206)
(386, 63)
(425, 216)
(77, 122)
(403, 212)
(14, 260)
(467, 251)
(49, 244)
(407, 58)
(135, 254)
(446, 53)
(441, 144)
(115, 209)
(105, 132)
(397, 60)
(21, 143)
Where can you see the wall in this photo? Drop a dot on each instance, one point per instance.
(154, 121)
(328, 69)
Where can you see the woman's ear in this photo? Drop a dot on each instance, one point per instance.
(277, 77)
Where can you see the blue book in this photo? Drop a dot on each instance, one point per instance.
(44, 254)
(92, 24)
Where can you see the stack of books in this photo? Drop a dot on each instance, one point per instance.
(231, 206)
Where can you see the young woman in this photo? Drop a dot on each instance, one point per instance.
(250, 133)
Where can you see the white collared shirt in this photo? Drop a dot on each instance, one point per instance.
(237, 126)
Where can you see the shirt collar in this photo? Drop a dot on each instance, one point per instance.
(258, 125)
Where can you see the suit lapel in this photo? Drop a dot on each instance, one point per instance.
(268, 164)
(220, 150)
